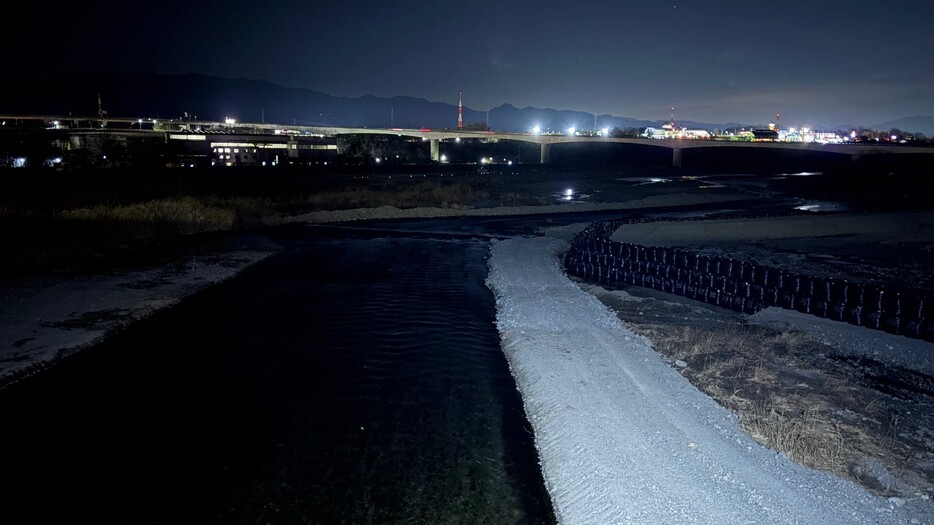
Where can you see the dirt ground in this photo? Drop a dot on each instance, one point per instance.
(869, 420)
(860, 419)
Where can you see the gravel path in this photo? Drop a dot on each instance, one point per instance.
(624, 438)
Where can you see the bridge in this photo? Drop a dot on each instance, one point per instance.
(435, 137)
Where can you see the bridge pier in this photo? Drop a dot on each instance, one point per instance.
(546, 153)
(436, 150)
(675, 157)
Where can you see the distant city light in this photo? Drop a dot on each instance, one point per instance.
(444, 158)
(853, 134)
(229, 121)
(606, 132)
(571, 130)
(894, 137)
(509, 163)
(791, 130)
(378, 160)
(457, 139)
(569, 192)
(805, 130)
(537, 130)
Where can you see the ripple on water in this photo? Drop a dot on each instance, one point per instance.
(348, 381)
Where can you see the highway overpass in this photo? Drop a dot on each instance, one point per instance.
(435, 137)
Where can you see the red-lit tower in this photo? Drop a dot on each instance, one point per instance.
(460, 111)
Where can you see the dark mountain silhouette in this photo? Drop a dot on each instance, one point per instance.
(509, 117)
(912, 124)
(212, 98)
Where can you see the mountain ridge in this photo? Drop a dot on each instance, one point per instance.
(208, 97)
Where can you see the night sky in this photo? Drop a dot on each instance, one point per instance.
(818, 62)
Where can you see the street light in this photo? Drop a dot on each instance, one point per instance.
(606, 132)
(571, 130)
(140, 121)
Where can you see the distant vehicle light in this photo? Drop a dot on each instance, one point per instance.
(424, 129)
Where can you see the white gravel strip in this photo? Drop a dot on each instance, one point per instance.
(859, 341)
(391, 212)
(624, 438)
(44, 319)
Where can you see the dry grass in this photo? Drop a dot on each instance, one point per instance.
(816, 415)
(428, 193)
(188, 213)
(42, 234)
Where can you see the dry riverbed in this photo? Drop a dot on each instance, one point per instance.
(848, 400)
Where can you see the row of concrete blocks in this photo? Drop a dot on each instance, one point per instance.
(749, 288)
(728, 274)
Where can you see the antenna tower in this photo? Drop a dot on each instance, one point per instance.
(460, 111)
(671, 118)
